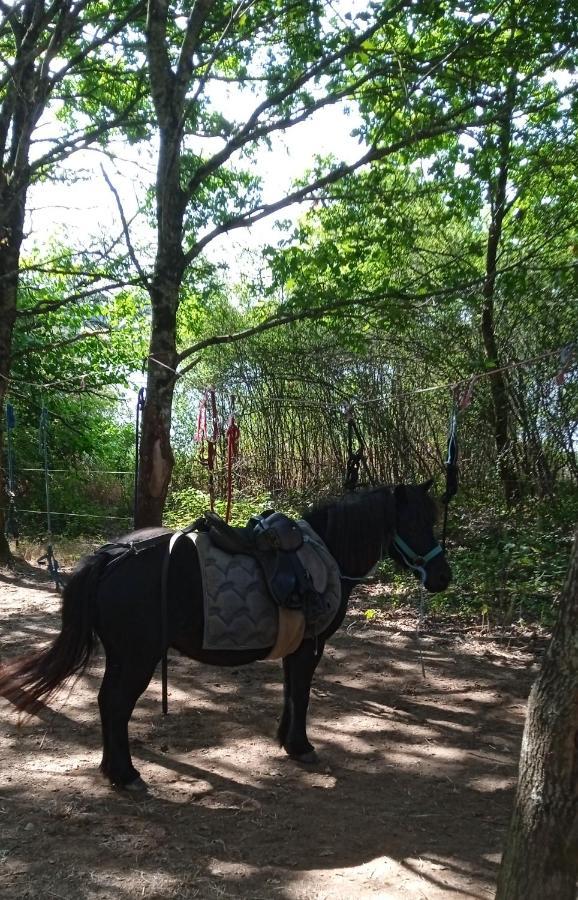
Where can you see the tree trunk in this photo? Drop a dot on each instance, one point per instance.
(498, 384)
(155, 455)
(11, 225)
(168, 90)
(540, 859)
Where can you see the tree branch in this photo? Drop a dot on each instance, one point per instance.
(69, 145)
(42, 308)
(197, 18)
(113, 31)
(446, 125)
(311, 313)
(41, 348)
(131, 251)
(251, 131)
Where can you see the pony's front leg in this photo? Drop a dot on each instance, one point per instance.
(298, 672)
(122, 685)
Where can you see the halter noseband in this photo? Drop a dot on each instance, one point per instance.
(412, 559)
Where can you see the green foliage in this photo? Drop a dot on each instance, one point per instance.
(509, 566)
(90, 453)
(389, 264)
(186, 505)
(79, 326)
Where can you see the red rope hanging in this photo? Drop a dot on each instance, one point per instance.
(233, 435)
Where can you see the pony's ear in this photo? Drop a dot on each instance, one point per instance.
(427, 485)
(400, 493)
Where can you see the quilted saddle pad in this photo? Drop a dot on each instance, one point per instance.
(239, 612)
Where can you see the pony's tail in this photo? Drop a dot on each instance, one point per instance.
(28, 680)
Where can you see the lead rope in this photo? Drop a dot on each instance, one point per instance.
(461, 401)
(451, 468)
(417, 564)
(420, 621)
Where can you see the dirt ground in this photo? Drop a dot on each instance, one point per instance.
(411, 798)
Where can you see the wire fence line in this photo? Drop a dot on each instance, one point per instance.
(76, 471)
(42, 512)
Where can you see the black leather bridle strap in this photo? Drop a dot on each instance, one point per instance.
(165, 621)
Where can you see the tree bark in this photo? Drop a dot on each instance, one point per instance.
(155, 456)
(12, 204)
(498, 384)
(169, 91)
(540, 860)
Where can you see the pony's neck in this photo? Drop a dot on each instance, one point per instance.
(357, 529)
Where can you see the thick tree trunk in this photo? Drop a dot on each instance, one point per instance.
(540, 859)
(168, 89)
(11, 224)
(155, 457)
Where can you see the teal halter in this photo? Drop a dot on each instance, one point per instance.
(412, 559)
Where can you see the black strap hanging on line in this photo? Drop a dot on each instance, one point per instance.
(12, 529)
(355, 459)
(452, 468)
(140, 405)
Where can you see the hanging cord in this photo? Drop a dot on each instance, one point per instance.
(233, 435)
(140, 405)
(452, 472)
(208, 430)
(12, 529)
(49, 557)
(461, 401)
(353, 459)
(420, 621)
(417, 564)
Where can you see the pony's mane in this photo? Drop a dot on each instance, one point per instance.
(355, 527)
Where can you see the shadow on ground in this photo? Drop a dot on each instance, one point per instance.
(411, 798)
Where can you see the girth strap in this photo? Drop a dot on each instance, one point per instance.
(165, 621)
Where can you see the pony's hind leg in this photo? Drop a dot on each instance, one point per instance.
(298, 670)
(123, 683)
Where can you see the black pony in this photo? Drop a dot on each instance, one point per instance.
(121, 604)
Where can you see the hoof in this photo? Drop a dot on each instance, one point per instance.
(138, 786)
(309, 759)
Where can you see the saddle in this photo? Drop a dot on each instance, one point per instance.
(294, 573)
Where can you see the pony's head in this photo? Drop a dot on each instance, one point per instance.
(413, 545)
